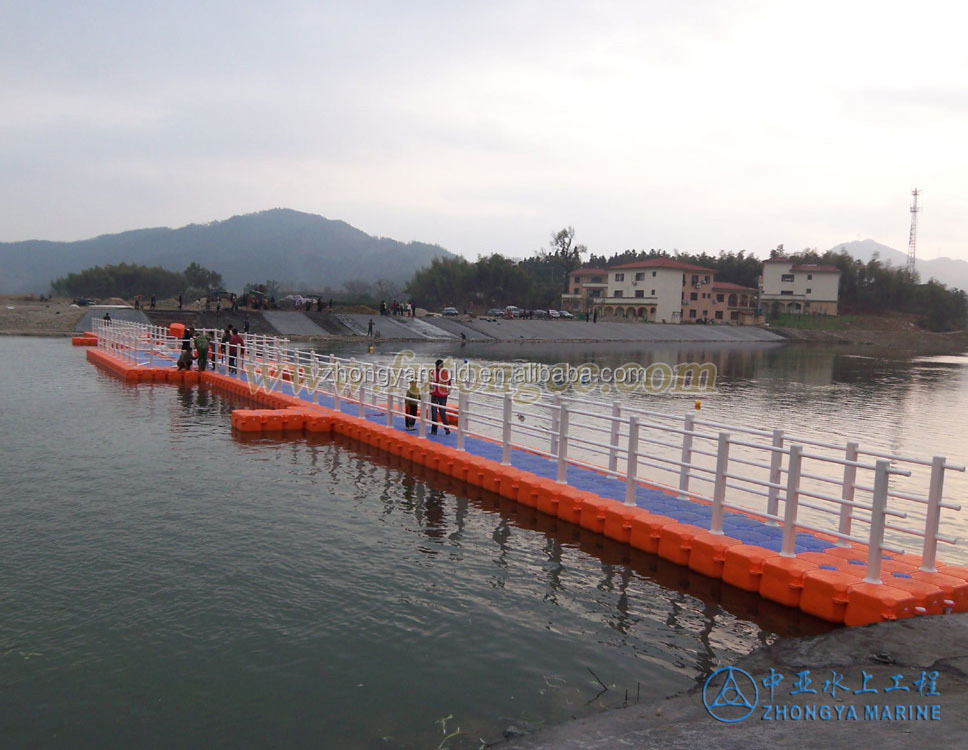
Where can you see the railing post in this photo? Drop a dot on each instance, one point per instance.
(847, 493)
(463, 414)
(362, 396)
(613, 441)
(933, 517)
(788, 548)
(389, 409)
(555, 423)
(334, 374)
(422, 418)
(563, 444)
(776, 473)
(719, 488)
(506, 432)
(632, 461)
(689, 424)
(878, 518)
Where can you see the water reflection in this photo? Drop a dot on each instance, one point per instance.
(620, 564)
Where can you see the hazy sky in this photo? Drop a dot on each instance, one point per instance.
(485, 126)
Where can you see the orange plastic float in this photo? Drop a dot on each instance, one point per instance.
(708, 555)
(875, 602)
(782, 579)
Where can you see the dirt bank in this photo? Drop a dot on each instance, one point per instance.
(896, 332)
(887, 659)
(26, 316)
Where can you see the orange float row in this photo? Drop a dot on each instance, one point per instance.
(829, 585)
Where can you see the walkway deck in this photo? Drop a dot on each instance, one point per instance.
(822, 579)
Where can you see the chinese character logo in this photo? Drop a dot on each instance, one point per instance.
(730, 695)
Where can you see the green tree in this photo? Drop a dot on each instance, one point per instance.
(564, 252)
(200, 277)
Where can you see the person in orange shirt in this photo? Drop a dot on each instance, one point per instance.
(439, 390)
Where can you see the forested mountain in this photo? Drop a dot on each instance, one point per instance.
(948, 271)
(304, 250)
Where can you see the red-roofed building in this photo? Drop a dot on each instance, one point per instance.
(800, 289)
(658, 290)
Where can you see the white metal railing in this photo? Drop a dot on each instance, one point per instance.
(844, 491)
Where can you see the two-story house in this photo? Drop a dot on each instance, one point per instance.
(787, 287)
(659, 290)
(585, 287)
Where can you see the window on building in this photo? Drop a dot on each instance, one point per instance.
(576, 290)
(692, 313)
(788, 292)
(618, 293)
(653, 292)
(653, 274)
(809, 290)
(620, 277)
(594, 292)
(809, 277)
(719, 315)
(720, 297)
(640, 276)
(786, 277)
(695, 279)
(639, 292)
(693, 296)
(705, 279)
(597, 280)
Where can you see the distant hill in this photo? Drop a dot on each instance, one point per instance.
(306, 250)
(953, 273)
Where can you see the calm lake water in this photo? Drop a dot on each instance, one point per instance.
(166, 583)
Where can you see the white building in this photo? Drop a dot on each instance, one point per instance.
(787, 287)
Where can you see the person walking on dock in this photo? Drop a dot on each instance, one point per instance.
(410, 403)
(201, 346)
(236, 350)
(224, 345)
(439, 390)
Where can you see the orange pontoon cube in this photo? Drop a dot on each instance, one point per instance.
(708, 554)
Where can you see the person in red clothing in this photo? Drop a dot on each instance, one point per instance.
(439, 390)
(236, 350)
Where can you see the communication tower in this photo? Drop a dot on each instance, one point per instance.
(913, 238)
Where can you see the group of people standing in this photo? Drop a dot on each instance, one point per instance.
(397, 308)
(196, 346)
(439, 391)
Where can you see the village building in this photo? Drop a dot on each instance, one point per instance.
(659, 290)
(790, 288)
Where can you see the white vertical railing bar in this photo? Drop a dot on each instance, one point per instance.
(686, 455)
(632, 461)
(506, 432)
(424, 414)
(776, 468)
(878, 518)
(613, 441)
(463, 415)
(719, 488)
(555, 423)
(933, 520)
(563, 444)
(788, 547)
(847, 493)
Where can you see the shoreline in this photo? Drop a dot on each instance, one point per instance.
(889, 334)
(932, 645)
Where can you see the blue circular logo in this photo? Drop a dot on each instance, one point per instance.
(730, 695)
